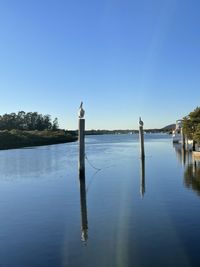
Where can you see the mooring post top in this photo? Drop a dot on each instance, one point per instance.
(141, 123)
(81, 111)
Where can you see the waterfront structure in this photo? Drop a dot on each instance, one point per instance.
(176, 134)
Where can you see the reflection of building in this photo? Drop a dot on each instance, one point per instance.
(178, 151)
(179, 137)
(142, 177)
(184, 157)
(84, 221)
(192, 176)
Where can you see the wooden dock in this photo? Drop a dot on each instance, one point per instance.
(196, 155)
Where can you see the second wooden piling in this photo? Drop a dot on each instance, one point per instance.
(141, 137)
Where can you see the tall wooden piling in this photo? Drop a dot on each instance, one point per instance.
(81, 137)
(141, 137)
(183, 139)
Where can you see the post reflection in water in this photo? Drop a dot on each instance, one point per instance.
(142, 177)
(191, 168)
(178, 151)
(184, 156)
(83, 202)
(192, 176)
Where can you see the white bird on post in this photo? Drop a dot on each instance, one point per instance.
(141, 136)
(81, 137)
(81, 111)
(141, 123)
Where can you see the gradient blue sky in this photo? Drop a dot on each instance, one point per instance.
(123, 58)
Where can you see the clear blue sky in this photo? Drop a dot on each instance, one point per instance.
(123, 58)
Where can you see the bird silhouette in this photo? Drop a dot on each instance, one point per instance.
(81, 111)
(141, 122)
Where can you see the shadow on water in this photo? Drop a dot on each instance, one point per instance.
(83, 203)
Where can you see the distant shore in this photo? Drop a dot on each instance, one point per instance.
(19, 139)
(101, 132)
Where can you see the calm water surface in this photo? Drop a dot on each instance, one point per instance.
(128, 212)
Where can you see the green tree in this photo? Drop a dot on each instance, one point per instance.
(55, 125)
(21, 124)
(187, 127)
(197, 135)
(191, 126)
(27, 121)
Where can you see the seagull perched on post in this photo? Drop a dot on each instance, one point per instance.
(81, 111)
(141, 123)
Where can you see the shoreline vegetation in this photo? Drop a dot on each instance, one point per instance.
(18, 130)
(101, 132)
(167, 129)
(29, 129)
(19, 139)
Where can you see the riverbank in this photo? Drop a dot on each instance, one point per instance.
(18, 139)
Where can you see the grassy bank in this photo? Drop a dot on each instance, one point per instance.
(18, 139)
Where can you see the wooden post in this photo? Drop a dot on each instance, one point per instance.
(193, 146)
(183, 139)
(141, 137)
(187, 146)
(81, 137)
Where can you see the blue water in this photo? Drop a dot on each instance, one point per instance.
(128, 212)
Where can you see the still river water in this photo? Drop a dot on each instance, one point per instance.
(129, 213)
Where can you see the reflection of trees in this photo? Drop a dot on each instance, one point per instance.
(192, 177)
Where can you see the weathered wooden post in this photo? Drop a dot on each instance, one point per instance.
(186, 143)
(183, 139)
(141, 137)
(81, 138)
(193, 146)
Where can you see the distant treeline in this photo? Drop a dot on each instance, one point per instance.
(98, 132)
(27, 121)
(166, 129)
